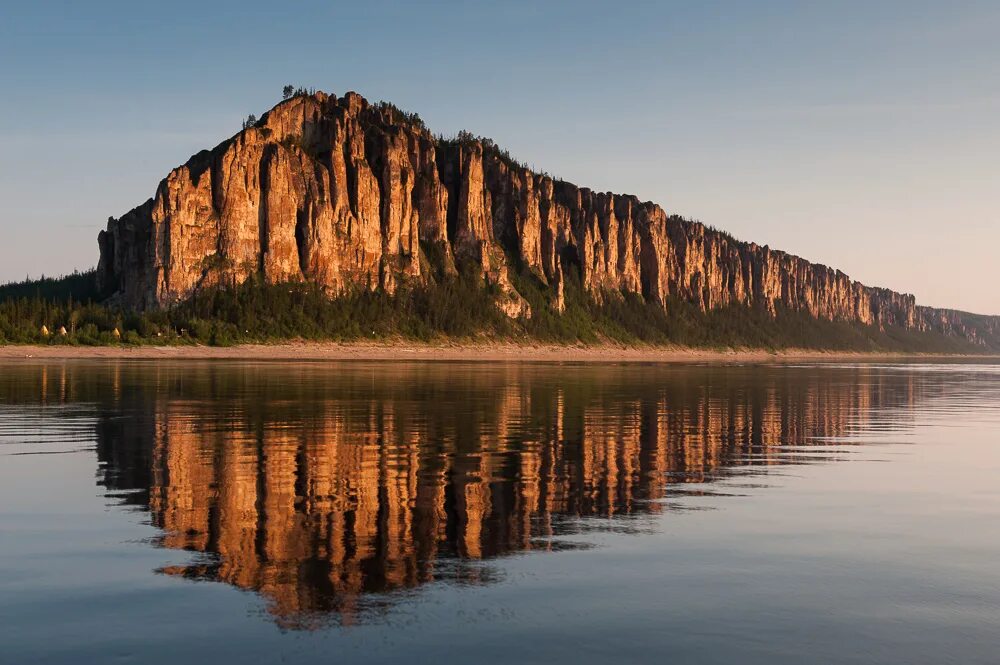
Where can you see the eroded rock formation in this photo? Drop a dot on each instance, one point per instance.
(349, 194)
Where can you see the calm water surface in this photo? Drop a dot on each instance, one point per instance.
(196, 512)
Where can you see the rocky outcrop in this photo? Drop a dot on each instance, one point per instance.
(352, 195)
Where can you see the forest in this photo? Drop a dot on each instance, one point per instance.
(69, 310)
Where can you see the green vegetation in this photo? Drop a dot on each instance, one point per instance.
(466, 139)
(81, 286)
(290, 91)
(448, 307)
(628, 318)
(458, 306)
(397, 115)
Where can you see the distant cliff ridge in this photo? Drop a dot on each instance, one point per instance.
(348, 194)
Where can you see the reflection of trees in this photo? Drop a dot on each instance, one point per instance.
(316, 486)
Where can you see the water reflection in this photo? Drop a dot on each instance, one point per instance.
(322, 487)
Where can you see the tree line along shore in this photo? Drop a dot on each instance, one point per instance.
(460, 309)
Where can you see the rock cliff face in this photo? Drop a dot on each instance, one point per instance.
(349, 194)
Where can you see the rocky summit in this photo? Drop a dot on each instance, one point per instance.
(348, 194)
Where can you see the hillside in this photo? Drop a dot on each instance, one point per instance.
(368, 216)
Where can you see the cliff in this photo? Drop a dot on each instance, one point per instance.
(348, 194)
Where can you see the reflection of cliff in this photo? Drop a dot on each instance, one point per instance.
(317, 487)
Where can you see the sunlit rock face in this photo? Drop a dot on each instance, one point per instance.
(347, 194)
(331, 489)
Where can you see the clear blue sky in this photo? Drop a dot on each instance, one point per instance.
(863, 135)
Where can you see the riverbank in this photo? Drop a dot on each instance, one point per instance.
(497, 352)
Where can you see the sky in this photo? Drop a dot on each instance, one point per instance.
(860, 135)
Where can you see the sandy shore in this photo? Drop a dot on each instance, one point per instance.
(502, 352)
